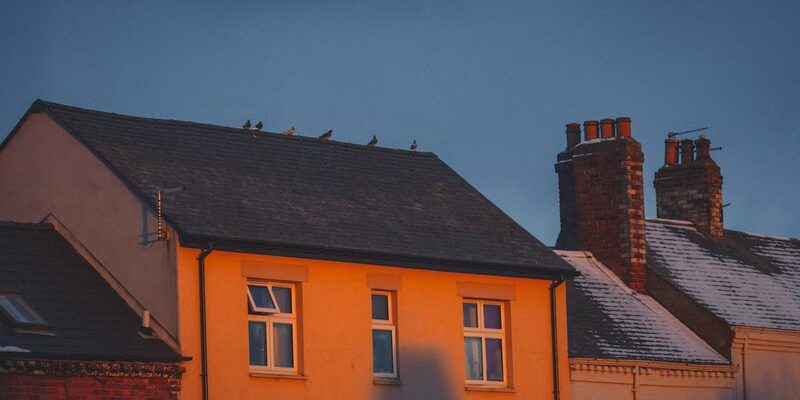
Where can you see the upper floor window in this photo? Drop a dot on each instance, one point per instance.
(272, 324)
(384, 336)
(484, 342)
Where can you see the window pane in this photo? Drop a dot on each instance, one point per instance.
(283, 295)
(261, 296)
(382, 358)
(494, 360)
(470, 315)
(380, 307)
(473, 354)
(284, 345)
(12, 310)
(258, 340)
(491, 316)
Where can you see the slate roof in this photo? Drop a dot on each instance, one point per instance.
(745, 279)
(88, 319)
(607, 320)
(301, 196)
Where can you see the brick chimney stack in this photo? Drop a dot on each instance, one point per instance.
(692, 190)
(602, 198)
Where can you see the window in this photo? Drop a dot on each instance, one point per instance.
(272, 326)
(384, 336)
(484, 342)
(21, 316)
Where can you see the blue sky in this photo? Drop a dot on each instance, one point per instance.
(488, 86)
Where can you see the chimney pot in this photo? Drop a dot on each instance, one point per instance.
(670, 151)
(146, 319)
(624, 127)
(590, 130)
(607, 128)
(573, 134)
(703, 148)
(687, 151)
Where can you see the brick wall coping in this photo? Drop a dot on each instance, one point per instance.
(66, 368)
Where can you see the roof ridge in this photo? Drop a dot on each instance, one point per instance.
(765, 236)
(229, 129)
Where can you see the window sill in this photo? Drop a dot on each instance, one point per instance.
(255, 374)
(387, 381)
(503, 389)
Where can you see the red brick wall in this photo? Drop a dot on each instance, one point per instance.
(602, 205)
(691, 192)
(44, 387)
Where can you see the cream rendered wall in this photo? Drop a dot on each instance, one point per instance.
(44, 170)
(638, 380)
(770, 363)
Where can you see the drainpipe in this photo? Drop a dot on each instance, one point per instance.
(554, 336)
(744, 368)
(201, 267)
(635, 382)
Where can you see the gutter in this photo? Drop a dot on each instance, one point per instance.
(201, 267)
(554, 336)
(378, 258)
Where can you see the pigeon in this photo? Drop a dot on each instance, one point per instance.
(259, 125)
(414, 145)
(289, 132)
(246, 125)
(373, 142)
(327, 135)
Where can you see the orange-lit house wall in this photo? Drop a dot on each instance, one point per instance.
(334, 324)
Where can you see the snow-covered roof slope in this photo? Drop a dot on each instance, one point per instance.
(608, 320)
(745, 279)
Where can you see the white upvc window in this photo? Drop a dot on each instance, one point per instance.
(384, 335)
(485, 342)
(272, 326)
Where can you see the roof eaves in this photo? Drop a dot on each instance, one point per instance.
(169, 358)
(377, 258)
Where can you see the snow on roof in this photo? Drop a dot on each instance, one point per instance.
(13, 349)
(745, 279)
(609, 320)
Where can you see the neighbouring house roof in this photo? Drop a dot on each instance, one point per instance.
(608, 320)
(86, 318)
(301, 196)
(746, 279)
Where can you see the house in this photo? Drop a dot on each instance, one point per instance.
(737, 292)
(625, 345)
(66, 333)
(295, 266)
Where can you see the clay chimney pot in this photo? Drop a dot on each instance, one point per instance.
(590, 130)
(607, 128)
(624, 127)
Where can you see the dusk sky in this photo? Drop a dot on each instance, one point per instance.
(487, 86)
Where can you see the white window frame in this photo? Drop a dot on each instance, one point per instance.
(252, 301)
(487, 333)
(269, 319)
(386, 325)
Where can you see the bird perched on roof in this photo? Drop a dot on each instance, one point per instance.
(259, 125)
(247, 125)
(414, 145)
(289, 132)
(327, 135)
(373, 142)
